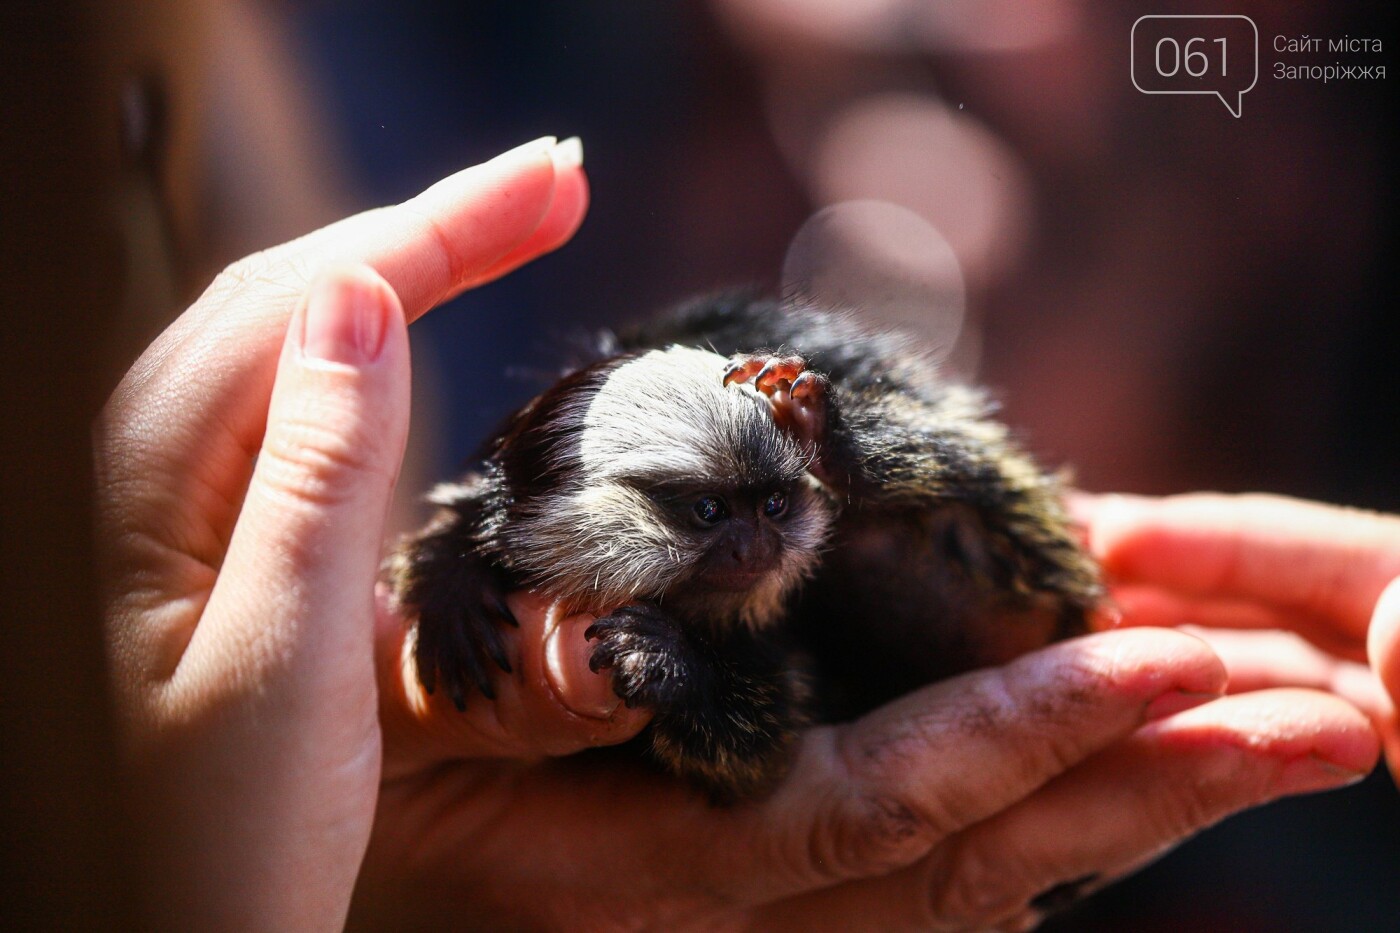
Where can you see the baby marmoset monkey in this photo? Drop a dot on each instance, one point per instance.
(778, 516)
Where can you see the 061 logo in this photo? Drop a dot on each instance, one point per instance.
(1216, 55)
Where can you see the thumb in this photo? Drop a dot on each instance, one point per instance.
(549, 703)
(296, 588)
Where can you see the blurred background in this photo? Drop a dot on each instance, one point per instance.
(1162, 296)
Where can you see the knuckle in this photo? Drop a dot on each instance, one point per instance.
(265, 274)
(1038, 725)
(241, 271)
(977, 888)
(446, 247)
(1053, 721)
(318, 463)
(989, 708)
(873, 823)
(886, 831)
(866, 835)
(239, 274)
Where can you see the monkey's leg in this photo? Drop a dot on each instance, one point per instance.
(456, 598)
(726, 708)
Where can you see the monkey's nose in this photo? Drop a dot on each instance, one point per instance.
(754, 551)
(748, 553)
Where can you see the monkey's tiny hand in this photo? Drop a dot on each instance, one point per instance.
(727, 726)
(646, 652)
(460, 609)
(797, 395)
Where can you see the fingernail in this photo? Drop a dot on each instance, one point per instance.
(566, 654)
(344, 321)
(1120, 507)
(1110, 515)
(1311, 772)
(1081, 505)
(1177, 701)
(568, 153)
(542, 144)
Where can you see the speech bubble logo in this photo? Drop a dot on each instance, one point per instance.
(1196, 55)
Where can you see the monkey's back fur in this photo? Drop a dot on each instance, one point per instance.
(836, 530)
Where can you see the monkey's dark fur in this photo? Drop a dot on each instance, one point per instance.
(835, 530)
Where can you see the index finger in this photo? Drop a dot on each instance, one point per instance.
(427, 248)
(1320, 560)
(879, 794)
(463, 231)
(180, 431)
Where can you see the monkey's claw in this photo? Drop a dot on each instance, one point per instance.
(769, 374)
(646, 653)
(796, 395)
(742, 368)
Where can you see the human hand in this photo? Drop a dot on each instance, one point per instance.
(1288, 592)
(241, 501)
(981, 801)
(244, 649)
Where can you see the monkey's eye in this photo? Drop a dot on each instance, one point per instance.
(776, 504)
(711, 509)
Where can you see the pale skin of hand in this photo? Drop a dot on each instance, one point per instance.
(282, 756)
(1288, 592)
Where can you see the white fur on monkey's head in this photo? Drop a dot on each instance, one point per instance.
(657, 423)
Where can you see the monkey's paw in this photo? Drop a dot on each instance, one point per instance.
(797, 395)
(458, 636)
(644, 649)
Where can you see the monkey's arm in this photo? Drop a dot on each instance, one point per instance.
(727, 705)
(445, 580)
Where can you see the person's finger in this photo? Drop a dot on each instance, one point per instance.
(177, 439)
(549, 703)
(1383, 649)
(295, 590)
(1263, 660)
(1108, 816)
(1153, 606)
(446, 238)
(258, 726)
(565, 213)
(879, 794)
(1320, 560)
(178, 433)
